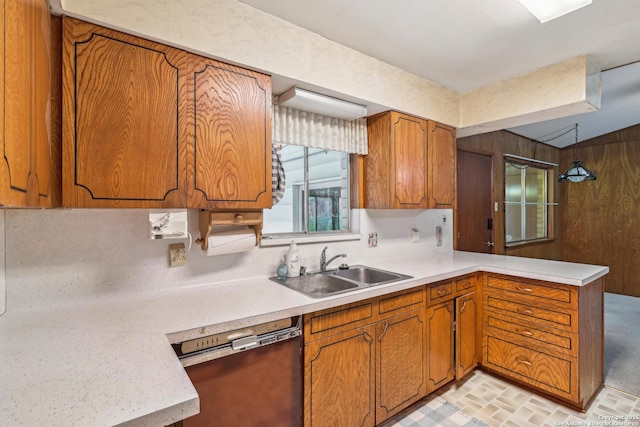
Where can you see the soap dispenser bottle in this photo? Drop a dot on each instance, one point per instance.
(282, 271)
(293, 260)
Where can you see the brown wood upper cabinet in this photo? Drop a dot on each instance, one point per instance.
(229, 162)
(30, 108)
(410, 165)
(150, 126)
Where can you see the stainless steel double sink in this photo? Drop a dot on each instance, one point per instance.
(332, 282)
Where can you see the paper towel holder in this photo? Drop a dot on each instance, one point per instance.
(209, 219)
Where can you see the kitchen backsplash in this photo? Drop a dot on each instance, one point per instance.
(59, 257)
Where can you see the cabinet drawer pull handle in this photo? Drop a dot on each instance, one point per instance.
(524, 311)
(524, 361)
(441, 291)
(519, 288)
(527, 333)
(464, 304)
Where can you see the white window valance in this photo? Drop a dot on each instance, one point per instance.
(297, 127)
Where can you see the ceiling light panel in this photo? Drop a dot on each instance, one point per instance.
(546, 10)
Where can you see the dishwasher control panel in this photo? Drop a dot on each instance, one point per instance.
(212, 347)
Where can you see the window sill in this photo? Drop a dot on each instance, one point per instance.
(283, 240)
(528, 243)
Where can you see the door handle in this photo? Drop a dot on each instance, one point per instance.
(490, 244)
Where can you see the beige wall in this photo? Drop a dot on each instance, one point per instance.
(234, 32)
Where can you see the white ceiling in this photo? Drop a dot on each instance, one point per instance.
(467, 44)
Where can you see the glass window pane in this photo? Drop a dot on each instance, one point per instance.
(512, 183)
(328, 192)
(535, 185)
(535, 222)
(513, 221)
(532, 203)
(280, 218)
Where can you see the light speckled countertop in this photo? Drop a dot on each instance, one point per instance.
(108, 361)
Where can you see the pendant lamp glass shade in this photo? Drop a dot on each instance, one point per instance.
(577, 173)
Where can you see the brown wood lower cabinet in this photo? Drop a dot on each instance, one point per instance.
(453, 333)
(440, 345)
(365, 361)
(369, 360)
(400, 363)
(339, 380)
(545, 335)
(468, 333)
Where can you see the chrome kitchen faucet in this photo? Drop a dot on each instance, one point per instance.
(323, 259)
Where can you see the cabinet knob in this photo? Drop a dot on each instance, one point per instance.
(238, 218)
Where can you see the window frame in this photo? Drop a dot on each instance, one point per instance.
(550, 173)
(306, 236)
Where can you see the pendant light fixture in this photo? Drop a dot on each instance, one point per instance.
(577, 172)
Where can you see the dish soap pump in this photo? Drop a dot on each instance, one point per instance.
(293, 260)
(282, 269)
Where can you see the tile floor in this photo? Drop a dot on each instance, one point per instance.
(501, 403)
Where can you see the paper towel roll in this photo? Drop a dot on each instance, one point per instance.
(231, 242)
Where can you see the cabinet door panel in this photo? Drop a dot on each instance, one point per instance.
(27, 123)
(232, 127)
(121, 120)
(442, 166)
(340, 380)
(409, 162)
(467, 327)
(42, 104)
(18, 21)
(401, 363)
(440, 341)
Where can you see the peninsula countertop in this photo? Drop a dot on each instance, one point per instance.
(108, 360)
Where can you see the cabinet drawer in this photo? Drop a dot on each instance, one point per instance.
(561, 319)
(329, 322)
(466, 284)
(401, 301)
(439, 292)
(550, 340)
(541, 370)
(556, 294)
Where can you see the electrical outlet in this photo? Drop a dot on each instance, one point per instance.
(177, 255)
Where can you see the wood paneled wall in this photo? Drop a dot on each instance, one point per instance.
(601, 219)
(496, 144)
